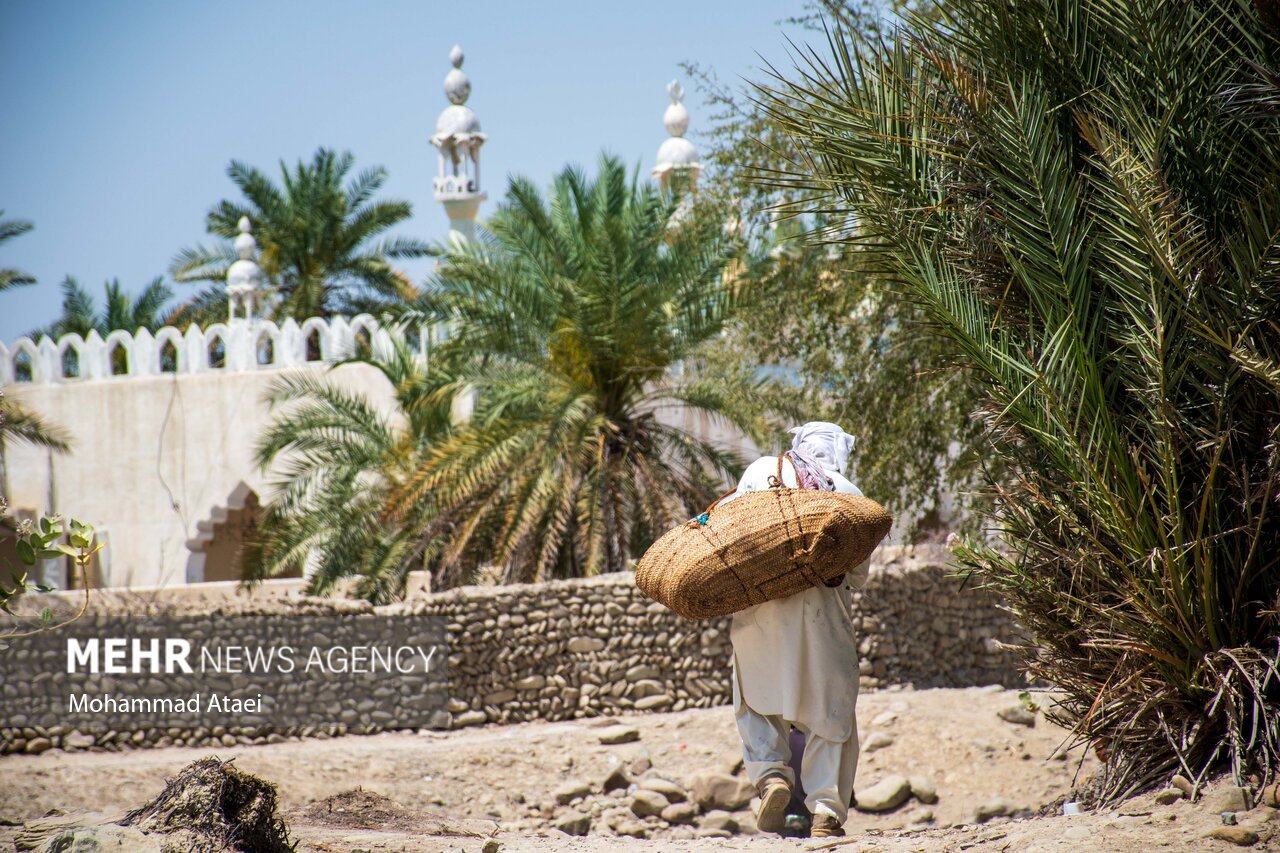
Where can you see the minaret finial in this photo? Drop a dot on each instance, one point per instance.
(677, 155)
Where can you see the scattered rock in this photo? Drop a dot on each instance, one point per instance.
(680, 813)
(1169, 796)
(1229, 798)
(573, 823)
(877, 740)
(1017, 715)
(705, 832)
(718, 819)
(923, 789)
(712, 789)
(919, 815)
(572, 790)
(1270, 796)
(615, 776)
(1238, 835)
(645, 803)
(632, 828)
(996, 807)
(1183, 784)
(673, 792)
(618, 734)
(885, 795)
(884, 718)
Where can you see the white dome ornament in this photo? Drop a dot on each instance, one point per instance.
(458, 138)
(245, 279)
(678, 165)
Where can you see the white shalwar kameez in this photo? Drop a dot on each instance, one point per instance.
(795, 663)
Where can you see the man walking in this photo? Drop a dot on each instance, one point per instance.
(795, 660)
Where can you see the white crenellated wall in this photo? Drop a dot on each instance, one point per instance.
(245, 345)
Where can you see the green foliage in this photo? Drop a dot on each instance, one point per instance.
(81, 315)
(319, 242)
(48, 538)
(9, 277)
(1084, 198)
(838, 332)
(576, 319)
(337, 460)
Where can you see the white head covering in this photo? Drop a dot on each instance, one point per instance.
(826, 442)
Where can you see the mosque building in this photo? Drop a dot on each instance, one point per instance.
(164, 424)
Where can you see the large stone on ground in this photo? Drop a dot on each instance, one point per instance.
(877, 740)
(712, 789)
(1229, 798)
(1239, 835)
(923, 789)
(680, 813)
(1168, 796)
(673, 792)
(1183, 784)
(885, 795)
(573, 822)
(614, 776)
(719, 819)
(618, 734)
(633, 829)
(645, 803)
(572, 790)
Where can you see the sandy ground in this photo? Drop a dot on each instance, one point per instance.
(503, 779)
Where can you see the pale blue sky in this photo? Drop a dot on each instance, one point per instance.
(119, 118)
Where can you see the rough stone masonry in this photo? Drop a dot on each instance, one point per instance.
(583, 648)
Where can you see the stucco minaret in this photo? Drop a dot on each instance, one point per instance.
(245, 279)
(678, 165)
(459, 139)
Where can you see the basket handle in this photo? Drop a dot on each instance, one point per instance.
(775, 482)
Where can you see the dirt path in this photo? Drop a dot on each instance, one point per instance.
(510, 776)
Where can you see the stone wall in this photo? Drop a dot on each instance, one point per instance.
(598, 646)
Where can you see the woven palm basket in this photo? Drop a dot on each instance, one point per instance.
(758, 547)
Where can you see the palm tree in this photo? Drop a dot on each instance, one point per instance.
(336, 458)
(81, 314)
(316, 234)
(1084, 197)
(571, 318)
(10, 228)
